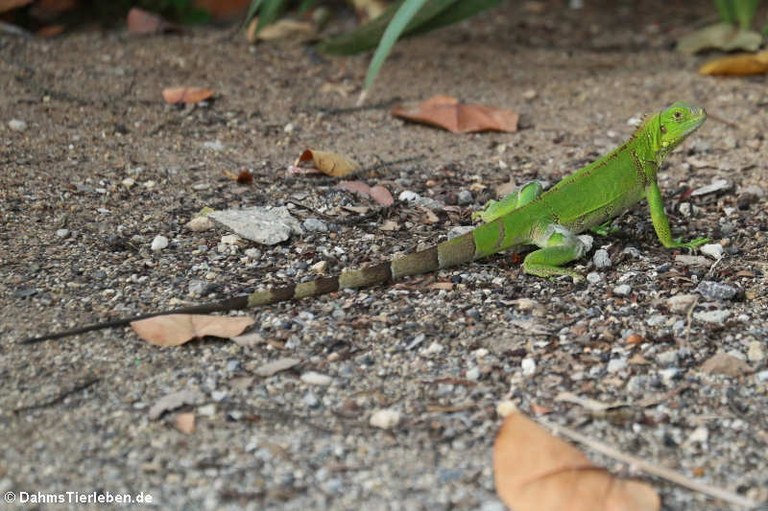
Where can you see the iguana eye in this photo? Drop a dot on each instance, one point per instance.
(677, 115)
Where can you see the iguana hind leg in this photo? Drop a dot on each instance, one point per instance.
(493, 209)
(558, 246)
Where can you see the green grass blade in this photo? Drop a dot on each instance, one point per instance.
(269, 14)
(404, 15)
(252, 10)
(306, 5)
(457, 12)
(363, 38)
(725, 10)
(744, 11)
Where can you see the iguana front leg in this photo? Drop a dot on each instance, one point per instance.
(493, 209)
(558, 246)
(661, 222)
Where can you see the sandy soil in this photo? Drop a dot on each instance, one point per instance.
(104, 167)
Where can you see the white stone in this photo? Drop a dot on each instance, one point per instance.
(17, 125)
(529, 366)
(713, 250)
(159, 243)
(313, 378)
(385, 419)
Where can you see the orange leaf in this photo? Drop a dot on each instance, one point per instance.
(535, 471)
(737, 65)
(177, 329)
(9, 5)
(448, 113)
(329, 163)
(140, 21)
(187, 95)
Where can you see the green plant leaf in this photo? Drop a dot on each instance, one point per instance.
(252, 10)
(457, 12)
(744, 11)
(396, 27)
(725, 10)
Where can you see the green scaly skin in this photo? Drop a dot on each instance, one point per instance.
(587, 199)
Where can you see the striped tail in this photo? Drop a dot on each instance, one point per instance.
(448, 254)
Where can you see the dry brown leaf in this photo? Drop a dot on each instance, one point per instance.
(187, 95)
(49, 31)
(737, 65)
(332, 164)
(223, 10)
(177, 329)
(140, 21)
(448, 113)
(378, 193)
(536, 471)
(286, 29)
(185, 422)
(9, 5)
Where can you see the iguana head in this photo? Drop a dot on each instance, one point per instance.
(675, 123)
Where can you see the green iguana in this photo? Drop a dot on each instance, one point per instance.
(587, 199)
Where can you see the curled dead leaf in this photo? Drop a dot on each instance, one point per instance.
(536, 471)
(737, 65)
(332, 164)
(186, 95)
(448, 113)
(177, 329)
(285, 29)
(140, 21)
(378, 193)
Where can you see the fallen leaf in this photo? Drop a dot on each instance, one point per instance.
(727, 365)
(378, 193)
(223, 10)
(737, 65)
(9, 5)
(281, 364)
(332, 164)
(244, 177)
(186, 95)
(536, 471)
(175, 400)
(177, 329)
(140, 21)
(185, 422)
(720, 36)
(369, 9)
(448, 113)
(49, 31)
(286, 29)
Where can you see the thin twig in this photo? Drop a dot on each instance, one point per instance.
(649, 468)
(59, 397)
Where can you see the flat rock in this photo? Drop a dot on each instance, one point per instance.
(266, 225)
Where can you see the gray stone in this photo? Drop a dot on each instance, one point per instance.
(265, 225)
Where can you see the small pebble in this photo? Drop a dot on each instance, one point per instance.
(62, 233)
(313, 378)
(473, 374)
(668, 358)
(464, 198)
(713, 250)
(315, 225)
(601, 259)
(159, 243)
(716, 290)
(230, 239)
(762, 376)
(208, 410)
(616, 364)
(529, 366)
(433, 349)
(17, 125)
(128, 182)
(622, 290)
(593, 277)
(199, 224)
(385, 419)
(756, 351)
(681, 303)
(715, 316)
(319, 267)
(311, 400)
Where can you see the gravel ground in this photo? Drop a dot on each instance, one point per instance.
(99, 167)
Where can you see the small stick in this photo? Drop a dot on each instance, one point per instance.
(649, 468)
(59, 397)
